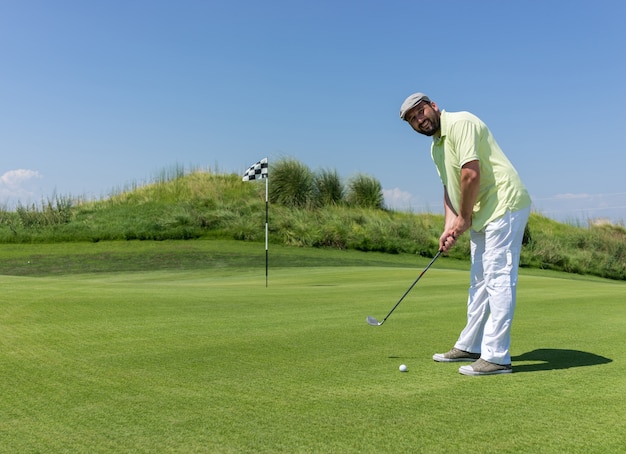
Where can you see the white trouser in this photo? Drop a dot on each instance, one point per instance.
(492, 293)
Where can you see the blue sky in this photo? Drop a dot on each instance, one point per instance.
(102, 94)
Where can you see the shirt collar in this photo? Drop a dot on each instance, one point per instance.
(443, 126)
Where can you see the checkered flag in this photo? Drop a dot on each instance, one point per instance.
(256, 172)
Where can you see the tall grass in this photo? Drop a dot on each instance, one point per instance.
(365, 191)
(292, 184)
(295, 185)
(51, 212)
(328, 187)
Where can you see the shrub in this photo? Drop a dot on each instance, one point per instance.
(365, 191)
(291, 184)
(328, 188)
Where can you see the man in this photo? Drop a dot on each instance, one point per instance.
(484, 194)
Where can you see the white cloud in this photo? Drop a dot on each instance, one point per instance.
(400, 200)
(15, 178)
(18, 185)
(396, 198)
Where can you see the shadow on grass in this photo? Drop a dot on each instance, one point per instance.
(553, 358)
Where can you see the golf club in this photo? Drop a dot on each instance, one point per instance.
(372, 321)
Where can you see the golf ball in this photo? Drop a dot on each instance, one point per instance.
(403, 368)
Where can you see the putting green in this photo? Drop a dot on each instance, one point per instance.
(212, 361)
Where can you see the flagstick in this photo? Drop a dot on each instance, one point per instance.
(266, 228)
(256, 172)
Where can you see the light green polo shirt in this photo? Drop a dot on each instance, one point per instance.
(465, 138)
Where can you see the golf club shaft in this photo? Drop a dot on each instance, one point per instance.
(412, 285)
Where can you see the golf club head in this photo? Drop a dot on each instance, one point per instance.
(372, 321)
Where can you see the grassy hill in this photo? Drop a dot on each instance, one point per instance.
(205, 205)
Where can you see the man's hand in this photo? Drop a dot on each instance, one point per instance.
(449, 236)
(446, 242)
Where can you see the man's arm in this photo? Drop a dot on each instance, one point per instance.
(449, 220)
(456, 225)
(470, 183)
(450, 212)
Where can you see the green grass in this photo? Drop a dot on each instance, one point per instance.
(146, 347)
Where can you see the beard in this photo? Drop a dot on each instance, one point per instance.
(430, 127)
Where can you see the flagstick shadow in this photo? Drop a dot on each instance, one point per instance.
(554, 359)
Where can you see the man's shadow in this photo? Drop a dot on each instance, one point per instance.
(554, 358)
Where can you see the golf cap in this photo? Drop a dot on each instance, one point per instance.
(411, 102)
